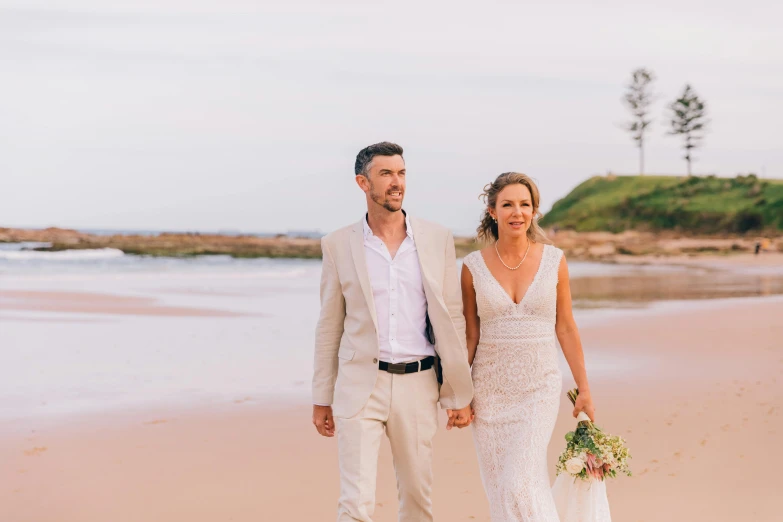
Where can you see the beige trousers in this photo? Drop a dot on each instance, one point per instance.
(405, 406)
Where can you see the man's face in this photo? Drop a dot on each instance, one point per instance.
(385, 182)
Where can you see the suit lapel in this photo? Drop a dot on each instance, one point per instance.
(420, 239)
(425, 260)
(360, 262)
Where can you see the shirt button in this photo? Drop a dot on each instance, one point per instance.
(375, 361)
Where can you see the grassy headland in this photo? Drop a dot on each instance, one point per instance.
(693, 205)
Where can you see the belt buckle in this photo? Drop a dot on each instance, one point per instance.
(398, 368)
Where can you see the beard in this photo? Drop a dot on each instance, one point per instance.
(380, 199)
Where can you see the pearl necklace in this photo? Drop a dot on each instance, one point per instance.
(520, 263)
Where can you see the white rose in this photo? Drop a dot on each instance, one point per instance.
(574, 465)
(583, 456)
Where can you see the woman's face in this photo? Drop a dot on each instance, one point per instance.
(513, 211)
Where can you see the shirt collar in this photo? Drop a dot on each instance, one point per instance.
(408, 229)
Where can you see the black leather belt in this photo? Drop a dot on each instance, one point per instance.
(411, 367)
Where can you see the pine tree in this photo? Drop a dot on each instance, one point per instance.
(639, 98)
(689, 119)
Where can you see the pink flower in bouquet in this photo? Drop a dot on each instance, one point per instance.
(593, 468)
(590, 462)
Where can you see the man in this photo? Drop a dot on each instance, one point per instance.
(391, 327)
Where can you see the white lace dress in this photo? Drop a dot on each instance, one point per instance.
(517, 390)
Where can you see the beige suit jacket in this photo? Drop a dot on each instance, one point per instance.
(346, 338)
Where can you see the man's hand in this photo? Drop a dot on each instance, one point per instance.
(460, 418)
(323, 420)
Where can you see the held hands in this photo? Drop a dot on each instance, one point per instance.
(584, 402)
(460, 418)
(323, 420)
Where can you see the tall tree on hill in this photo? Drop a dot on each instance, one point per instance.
(688, 118)
(638, 98)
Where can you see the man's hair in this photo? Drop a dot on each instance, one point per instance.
(365, 156)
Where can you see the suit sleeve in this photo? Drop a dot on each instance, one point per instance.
(457, 389)
(329, 331)
(452, 293)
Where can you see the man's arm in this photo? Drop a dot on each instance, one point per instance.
(452, 292)
(327, 343)
(452, 295)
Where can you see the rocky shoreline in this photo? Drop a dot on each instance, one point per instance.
(594, 246)
(168, 244)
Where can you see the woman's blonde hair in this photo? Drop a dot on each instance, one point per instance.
(488, 229)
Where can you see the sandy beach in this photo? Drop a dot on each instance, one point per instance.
(699, 411)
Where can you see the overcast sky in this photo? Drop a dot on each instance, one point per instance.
(209, 115)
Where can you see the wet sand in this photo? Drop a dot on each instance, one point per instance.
(742, 260)
(95, 303)
(702, 417)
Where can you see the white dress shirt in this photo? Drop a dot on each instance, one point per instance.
(398, 293)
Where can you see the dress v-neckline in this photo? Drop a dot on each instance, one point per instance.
(529, 287)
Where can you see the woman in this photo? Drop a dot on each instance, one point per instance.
(516, 299)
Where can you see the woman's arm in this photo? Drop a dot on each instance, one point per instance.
(568, 335)
(470, 311)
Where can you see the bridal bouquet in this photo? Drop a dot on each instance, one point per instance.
(590, 456)
(590, 453)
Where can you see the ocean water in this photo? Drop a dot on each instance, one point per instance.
(60, 362)
(86, 331)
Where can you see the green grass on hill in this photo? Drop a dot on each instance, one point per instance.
(689, 204)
